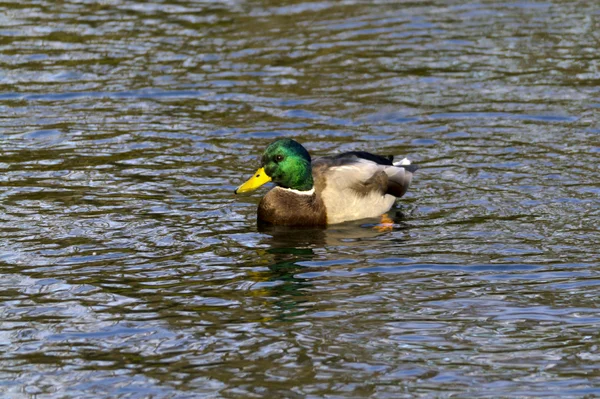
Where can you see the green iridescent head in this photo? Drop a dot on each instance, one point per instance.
(286, 163)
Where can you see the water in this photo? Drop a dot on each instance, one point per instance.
(128, 269)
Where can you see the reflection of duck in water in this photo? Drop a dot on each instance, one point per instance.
(353, 233)
(286, 254)
(328, 190)
(292, 252)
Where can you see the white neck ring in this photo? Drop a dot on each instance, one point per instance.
(291, 190)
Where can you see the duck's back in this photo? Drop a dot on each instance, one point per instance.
(358, 185)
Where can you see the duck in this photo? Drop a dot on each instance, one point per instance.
(327, 190)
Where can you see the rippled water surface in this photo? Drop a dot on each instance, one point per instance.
(128, 269)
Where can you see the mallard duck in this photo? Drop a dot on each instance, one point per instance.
(333, 189)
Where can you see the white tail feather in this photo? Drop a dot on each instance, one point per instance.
(404, 161)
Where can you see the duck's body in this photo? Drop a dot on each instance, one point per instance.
(349, 186)
(285, 207)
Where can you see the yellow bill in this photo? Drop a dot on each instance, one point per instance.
(259, 178)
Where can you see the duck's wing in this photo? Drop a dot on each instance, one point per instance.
(364, 173)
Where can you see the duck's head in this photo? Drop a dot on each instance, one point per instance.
(286, 163)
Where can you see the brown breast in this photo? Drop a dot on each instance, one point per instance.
(285, 208)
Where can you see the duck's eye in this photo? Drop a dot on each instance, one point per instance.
(278, 158)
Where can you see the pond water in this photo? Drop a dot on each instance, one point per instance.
(128, 269)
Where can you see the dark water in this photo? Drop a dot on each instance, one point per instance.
(129, 270)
